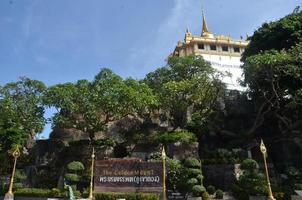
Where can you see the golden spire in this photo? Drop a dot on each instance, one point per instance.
(204, 24)
(205, 31)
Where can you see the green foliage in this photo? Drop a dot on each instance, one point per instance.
(198, 190)
(205, 196)
(192, 181)
(281, 34)
(249, 164)
(184, 82)
(174, 172)
(39, 192)
(251, 182)
(211, 189)
(219, 194)
(192, 163)
(293, 172)
(128, 196)
(46, 179)
(272, 71)
(172, 137)
(74, 178)
(33, 192)
(55, 192)
(75, 166)
(223, 156)
(21, 112)
(200, 178)
(90, 106)
(193, 172)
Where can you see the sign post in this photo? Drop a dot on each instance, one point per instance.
(264, 152)
(163, 156)
(9, 195)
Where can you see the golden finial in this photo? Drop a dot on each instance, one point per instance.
(262, 147)
(204, 24)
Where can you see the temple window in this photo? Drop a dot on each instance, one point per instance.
(225, 48)
(236, 49)
(213, 47)
(200, 46)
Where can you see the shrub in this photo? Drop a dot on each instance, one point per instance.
(105, 142)
(239, 193)
(72, 177)
(198, 190)
(33, 192)
(219, 194)
(75, 166)
(249, 164)
(199, 177)
(55, 192)
(3, 189)
(192, 181)
(193, 172)
(205, 196)
(211, 189)
(128, 196)
(192, 163)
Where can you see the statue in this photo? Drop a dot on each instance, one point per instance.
(70, 191)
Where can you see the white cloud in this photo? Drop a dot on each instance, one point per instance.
(183, 14)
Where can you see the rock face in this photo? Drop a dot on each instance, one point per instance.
(222, 176)
(181, 150)
(113, 130)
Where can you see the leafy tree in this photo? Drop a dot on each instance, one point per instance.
(186, 82)
(275, 83)
(277, 35)
(272, 71)
(21, 112)
(90, 106)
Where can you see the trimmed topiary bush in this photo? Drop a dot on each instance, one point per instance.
(192, 163)
(72, 177)
(193, 172)
(197, 190)
(249, 164)
(199, 177)
(211, 189)
(219, 194)
(192, 182)
(75, 166)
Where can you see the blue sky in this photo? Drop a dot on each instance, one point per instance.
(65, 40)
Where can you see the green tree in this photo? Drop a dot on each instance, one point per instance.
(275, 83)
(90, 106)
(272, 71)
(277, 35)
(21, 112)
(186, 82)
